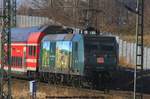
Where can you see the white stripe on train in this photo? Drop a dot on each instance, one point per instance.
(24, 44)
(20, 69)
(31, 60)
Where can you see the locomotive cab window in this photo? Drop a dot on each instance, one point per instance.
(107, 47)
(32, 50)
(90, 47)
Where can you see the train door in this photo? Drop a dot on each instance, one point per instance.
(78, 55)
(18, 58)
(31, 58)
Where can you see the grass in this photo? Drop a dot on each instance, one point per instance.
(21, 91)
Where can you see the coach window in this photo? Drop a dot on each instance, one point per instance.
(32, 50)
(12, 61)
(20, 61)
(16, 61)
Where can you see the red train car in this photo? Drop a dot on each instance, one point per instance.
(25, 47)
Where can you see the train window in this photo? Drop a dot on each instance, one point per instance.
(91, 47)
(12, 61)
(32, 50)
(20, 61)
(16, 61)
(107, 48)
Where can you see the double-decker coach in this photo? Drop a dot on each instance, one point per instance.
(25, 46)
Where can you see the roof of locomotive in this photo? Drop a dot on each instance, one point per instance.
(62, 37)
(109, 40)
(100, 38)
(22, 34)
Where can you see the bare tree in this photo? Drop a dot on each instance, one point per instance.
(109, 15)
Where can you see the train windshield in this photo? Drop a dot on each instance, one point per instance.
(106, 47)
(91, 46)
(98, 47)
(99, 44)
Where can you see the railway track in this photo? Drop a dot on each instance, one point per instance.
(124, 83)
(49, 91)
(90, 90)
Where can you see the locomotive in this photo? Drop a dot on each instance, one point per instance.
(54, 53)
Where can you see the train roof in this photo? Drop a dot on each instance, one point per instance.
(22, 34)
(100, 38)
(62, 37)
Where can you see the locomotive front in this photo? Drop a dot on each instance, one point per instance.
(71, 57)
(101, 52)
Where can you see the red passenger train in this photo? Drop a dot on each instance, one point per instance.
(25, 47)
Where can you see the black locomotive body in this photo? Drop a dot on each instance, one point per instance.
(77, 58)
